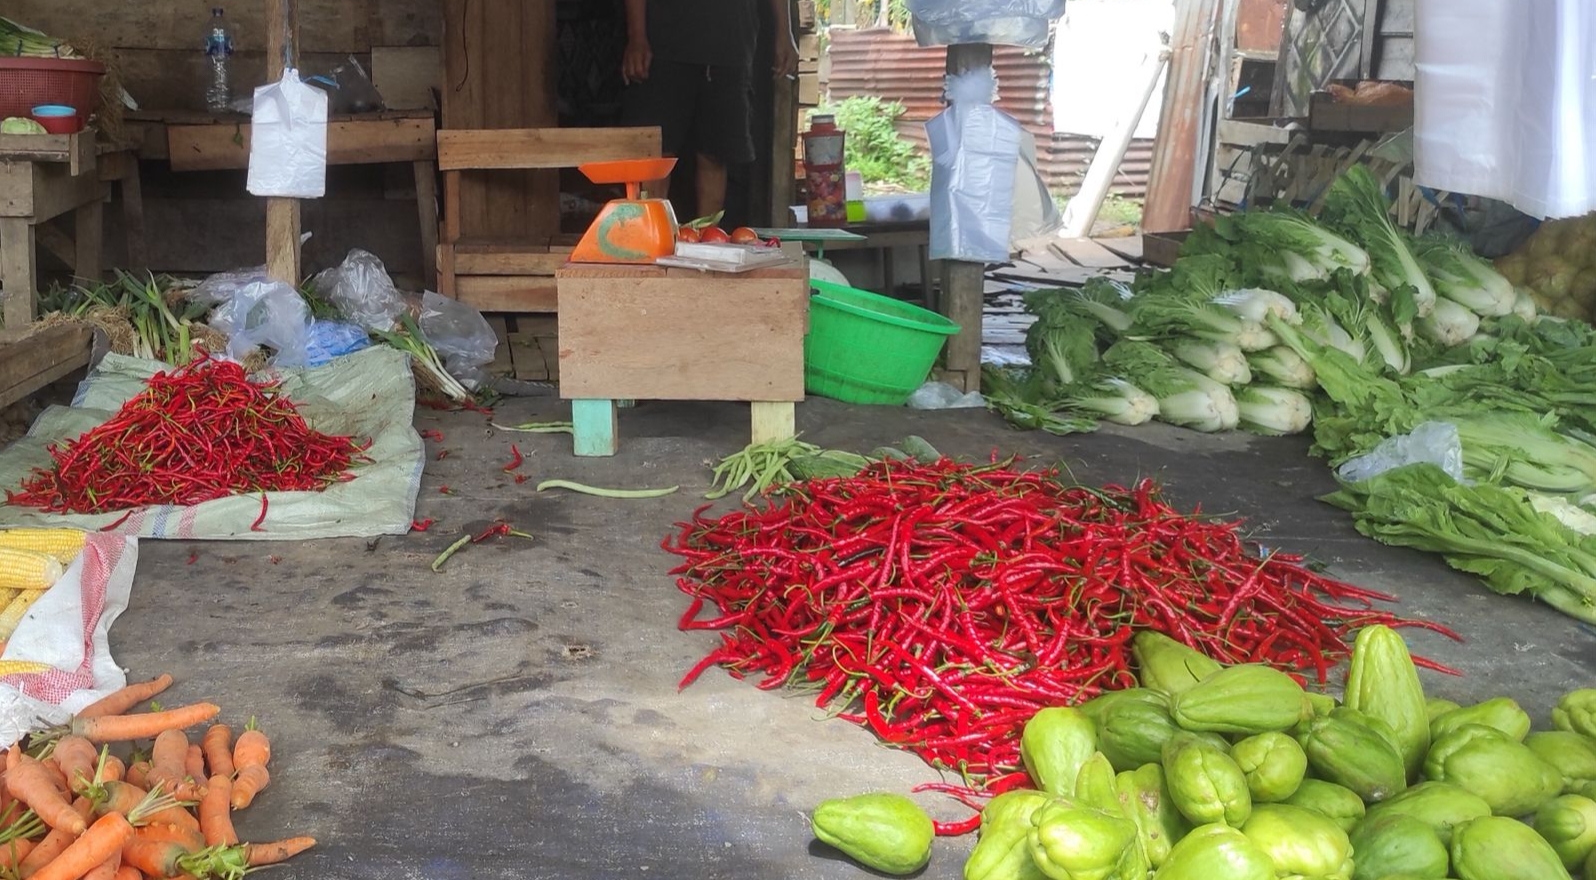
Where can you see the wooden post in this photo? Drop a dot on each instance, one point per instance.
(783, 142)
(282, 215)
(1172, 178)
(963, 283)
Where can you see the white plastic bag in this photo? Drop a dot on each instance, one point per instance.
(362, 291)
(975, 154)
(253, 310)
(1000, 22)
(464, 339)
(288, 140)
(1505, 102)
(1434, 443)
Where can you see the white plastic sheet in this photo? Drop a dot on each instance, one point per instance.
(288, 140)
(1505, 102)
(1001, 22)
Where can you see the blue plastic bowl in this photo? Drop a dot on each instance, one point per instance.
(54, 110)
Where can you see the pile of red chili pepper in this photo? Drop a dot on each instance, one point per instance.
(194, 434)
(943, 604)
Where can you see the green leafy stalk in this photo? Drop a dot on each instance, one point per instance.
(1359, 207)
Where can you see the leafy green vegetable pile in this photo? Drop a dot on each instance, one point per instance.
(1273, 322)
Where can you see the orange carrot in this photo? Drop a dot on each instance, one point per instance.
(53, 843)
(277, 850)
(12, 852)
(215, 818)
(76, 757)
(99, 843)
(217, 744)
(189, 839)
(13, 755)
(113, 769)
(250, 755)
(127, 872)
(194, 764)
(115, 728)
(153, 857)
(107, 869)
(33, 784)
(121, 797)
(119, 702)
(137, 773)
(168, 766)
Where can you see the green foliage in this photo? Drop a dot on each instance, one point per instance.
(874, 147)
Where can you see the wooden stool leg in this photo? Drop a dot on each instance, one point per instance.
(17, 269)
(593, 423)
(774, 420)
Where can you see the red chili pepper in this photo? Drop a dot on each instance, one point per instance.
(255, 526)
(432, 434)
(515, 458)
(520, 478)
(445, 490)
(421, 525)
(193, 558)
(442, 454)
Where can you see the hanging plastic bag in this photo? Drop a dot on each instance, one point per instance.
(975, 154)
(288, 140)
(362, 291)
(463, 338)
(1000, 22)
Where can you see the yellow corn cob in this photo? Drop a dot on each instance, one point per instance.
(64, 544)
(14, 611)
(14, 667)
(28, 570)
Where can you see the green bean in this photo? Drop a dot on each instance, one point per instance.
(605, 493)
(538, 427)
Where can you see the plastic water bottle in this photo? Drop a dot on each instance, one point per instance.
(218, 54)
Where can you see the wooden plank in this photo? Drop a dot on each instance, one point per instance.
(503, 360)
(505, 261)
(1172, 176)
(1090, 254)
(1129, 247)
(282, 215)
(45, 147)
(329, 25)
(640, 333)
(773, 420)
(426, 176)
(89, 221)
(18, 271)
(172, 79)
(355, 142)
(961, 302)
(43, 356)
(481, 150)
(595, 428)
(537, 357)
(408, 77)
(516, 294)
(783, 148)
(43, 192)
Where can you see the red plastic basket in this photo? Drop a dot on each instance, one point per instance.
(25, 83)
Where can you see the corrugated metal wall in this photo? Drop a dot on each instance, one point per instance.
(888, 65)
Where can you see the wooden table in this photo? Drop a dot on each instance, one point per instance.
(43, 177)
(210, 142)
(652, 333)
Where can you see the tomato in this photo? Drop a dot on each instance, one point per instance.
(714, 235)
(772, 242)
(687, 233)
(744, 235)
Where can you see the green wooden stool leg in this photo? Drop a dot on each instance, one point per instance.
(773, 420)
(594, 426)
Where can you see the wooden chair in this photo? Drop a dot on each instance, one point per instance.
(517, 275)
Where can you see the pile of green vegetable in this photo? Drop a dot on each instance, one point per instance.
(1236, 773)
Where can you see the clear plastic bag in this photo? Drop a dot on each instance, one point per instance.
(1024, 23)
(463, 338)
(975, 156)
(941, 395)
(254, 311)
(362, 292)
(1434, 443)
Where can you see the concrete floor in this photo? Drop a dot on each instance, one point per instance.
(516, 716)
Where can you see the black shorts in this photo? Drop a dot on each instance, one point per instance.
(697, 108)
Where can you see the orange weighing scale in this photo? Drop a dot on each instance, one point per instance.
(634, 229)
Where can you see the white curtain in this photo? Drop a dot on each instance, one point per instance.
(1505, 102)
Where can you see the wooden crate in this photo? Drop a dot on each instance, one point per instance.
(651, 333)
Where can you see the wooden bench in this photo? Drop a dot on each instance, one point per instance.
(500, 275)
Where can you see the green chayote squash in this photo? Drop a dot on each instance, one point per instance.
(1440, 805)
(1274, 763)
(1247, 699)
(1069, 841)
(1504, 772)
(1569, 824)
(1501, 713)
(884, 831)
(1576, 712)
(1094, 785)
(1499, 848)
(1301, 843)
(1573, 755)
(1205, 783)
(1098, 707)
(1321, 704)
(1383, 683)
(1166, 665)
(1003, 851)
(1349, 749)
(1338, 803)
(1435, 707)
(1397, 844)
(1054, 744)
(1133, 732)
(1216, 852)
(1145, 799)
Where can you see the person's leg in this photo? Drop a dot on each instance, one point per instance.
(667, 100)
(722, 127)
